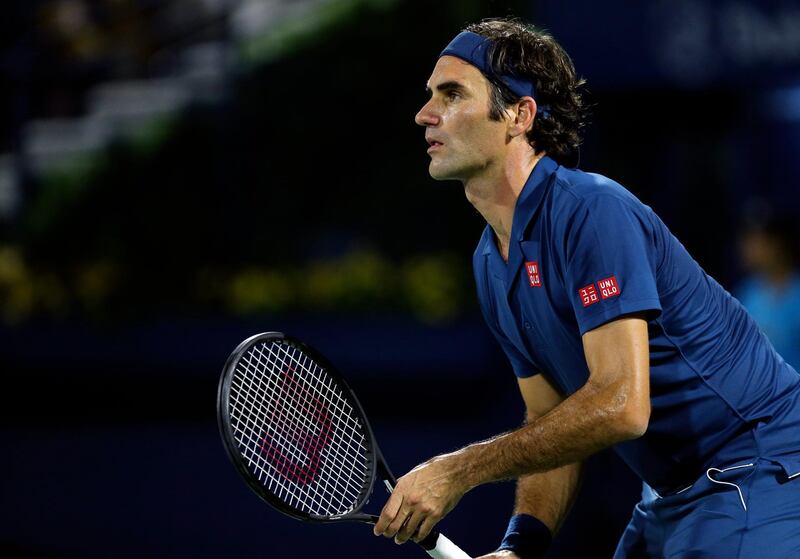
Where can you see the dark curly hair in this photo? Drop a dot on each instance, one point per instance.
(524, 51)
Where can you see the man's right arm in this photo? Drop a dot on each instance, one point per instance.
(546, 496)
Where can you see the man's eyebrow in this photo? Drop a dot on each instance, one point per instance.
(447, 86)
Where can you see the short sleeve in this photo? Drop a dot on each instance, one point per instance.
(610, 261)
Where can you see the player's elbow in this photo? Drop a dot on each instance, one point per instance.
(626, 402)
(633, 419)
(627, 411)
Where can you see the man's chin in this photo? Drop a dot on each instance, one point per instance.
(440, 174)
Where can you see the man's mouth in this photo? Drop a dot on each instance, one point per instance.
(433, 144)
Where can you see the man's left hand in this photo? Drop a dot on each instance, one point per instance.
(421, 498)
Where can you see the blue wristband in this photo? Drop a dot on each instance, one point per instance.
(527, 536)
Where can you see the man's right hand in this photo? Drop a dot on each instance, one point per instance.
(503, 554)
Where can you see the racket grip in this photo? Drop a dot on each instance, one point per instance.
(443, 548)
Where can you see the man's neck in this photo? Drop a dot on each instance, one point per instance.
(495, 195)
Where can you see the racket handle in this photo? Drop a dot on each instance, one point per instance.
(443, 548)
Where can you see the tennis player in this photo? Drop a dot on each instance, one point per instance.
(617, 336)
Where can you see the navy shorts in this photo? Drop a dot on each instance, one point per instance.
(743, 510)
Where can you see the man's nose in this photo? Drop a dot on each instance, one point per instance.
(427, 116)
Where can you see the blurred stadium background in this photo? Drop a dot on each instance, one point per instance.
(178, 174)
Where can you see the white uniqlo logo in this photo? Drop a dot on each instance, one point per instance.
(608, 287)
(533, 274)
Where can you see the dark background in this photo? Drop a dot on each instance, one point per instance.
(176, 175)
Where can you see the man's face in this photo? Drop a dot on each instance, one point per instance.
(463, 141)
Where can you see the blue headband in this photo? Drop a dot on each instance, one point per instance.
(473, 48)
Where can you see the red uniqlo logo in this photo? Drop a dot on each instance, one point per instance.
(588, 295)
(533, 274)
(608, 287)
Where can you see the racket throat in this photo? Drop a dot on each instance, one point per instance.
(384, 472)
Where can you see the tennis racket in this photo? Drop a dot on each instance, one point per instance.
(299, 437)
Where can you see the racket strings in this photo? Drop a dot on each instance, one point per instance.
(284, 428)
(301, 438)
(310, 443)
(350, 429)
(343, 468)
(254, 451)
(278, 486)
(344, 413)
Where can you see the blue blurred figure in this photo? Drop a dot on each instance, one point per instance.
(771, 293)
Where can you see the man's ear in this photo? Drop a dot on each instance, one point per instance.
(524, 114)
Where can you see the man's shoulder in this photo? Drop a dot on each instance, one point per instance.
(585, 188)
(577, 194)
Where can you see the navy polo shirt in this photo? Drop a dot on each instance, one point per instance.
(585, 251)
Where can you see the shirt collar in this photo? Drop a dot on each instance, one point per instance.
(528, 202)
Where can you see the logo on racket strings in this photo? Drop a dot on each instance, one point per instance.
(299, 429)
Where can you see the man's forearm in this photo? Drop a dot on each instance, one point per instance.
(548, 496)
(591, 419)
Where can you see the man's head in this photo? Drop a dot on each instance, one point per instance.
(500, 82)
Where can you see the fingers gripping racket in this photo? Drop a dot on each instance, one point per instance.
(298, 436)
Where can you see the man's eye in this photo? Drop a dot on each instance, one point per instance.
(452, 95)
